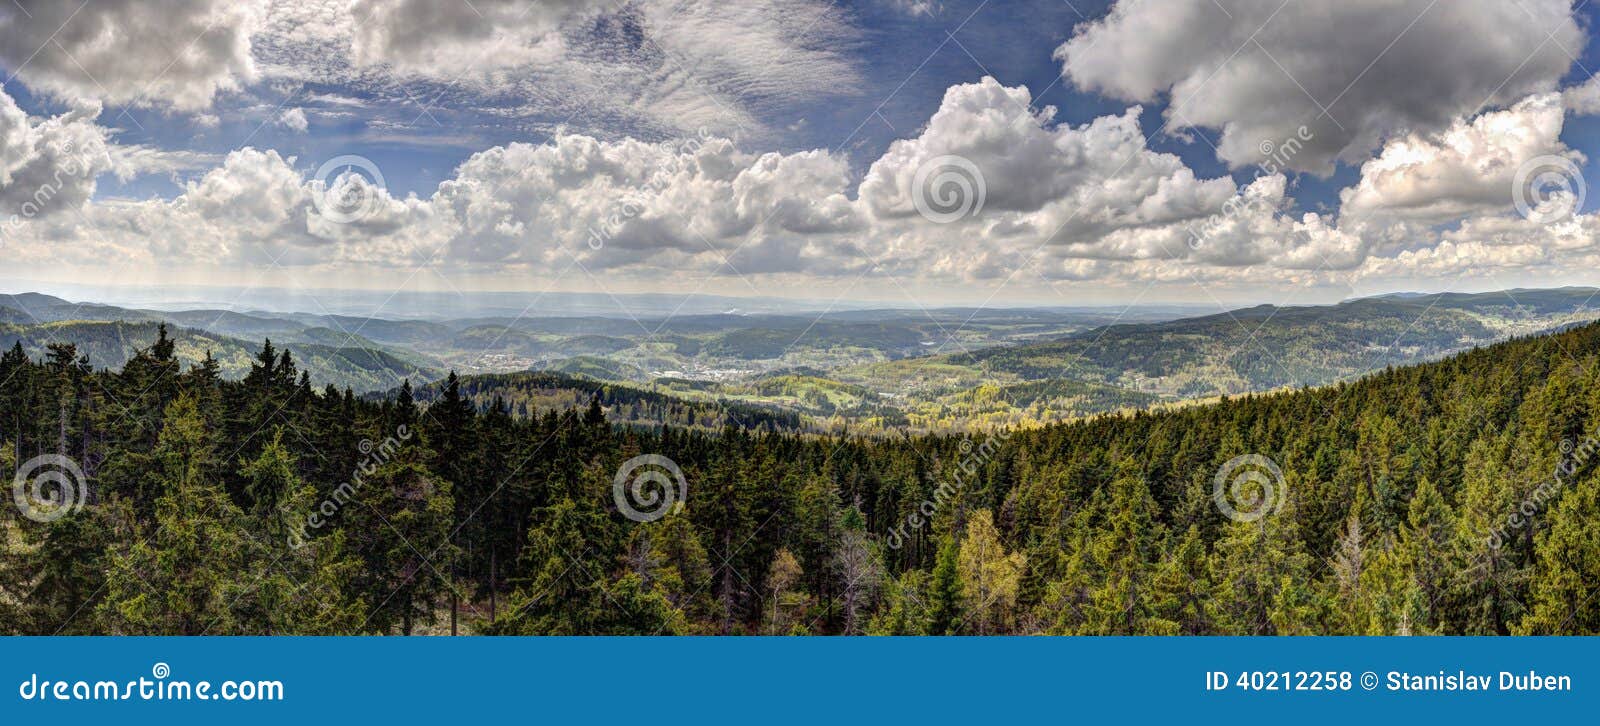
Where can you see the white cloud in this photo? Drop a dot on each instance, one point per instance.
(1094, 191)
(1466, 169)
(915, 7)
(455, 38)
(1489, 247)
(1090, 202)
(134, 160)
(1584, 98)
(1257, 71)
(126, 52)
(47, 166)
(293, 119)
(635, 204)
(644, 65)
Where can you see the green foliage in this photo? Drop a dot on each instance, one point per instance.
(262, 505)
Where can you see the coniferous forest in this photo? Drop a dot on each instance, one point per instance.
(1453, 497)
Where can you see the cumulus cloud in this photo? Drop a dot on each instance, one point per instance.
(1584, 98)
(1487, 247)
(629, 203)
(1075, 200)
(48, 166)
(126, 52)
(1094, 191)
(1060, 201)
(1466, 169)
(1257, 71)
(293, 119)
(915, 7)
(610, 205)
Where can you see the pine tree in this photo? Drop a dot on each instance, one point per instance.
(182, 575)
(398, 523)
(1124, 552)
(989, 577)
(945, 609)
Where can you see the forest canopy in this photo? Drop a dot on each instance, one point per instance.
(1454, 497)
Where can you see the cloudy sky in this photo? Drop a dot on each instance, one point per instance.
(917, 152)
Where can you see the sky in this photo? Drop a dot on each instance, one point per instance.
(914, 152)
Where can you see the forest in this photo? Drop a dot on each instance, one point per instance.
(1451, 497)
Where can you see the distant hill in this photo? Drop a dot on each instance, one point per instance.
(111, 344)
(862, 367)
(1268, 347)
(536, 392)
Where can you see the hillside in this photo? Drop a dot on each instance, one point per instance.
(865, 370)
(1253, 349)
(111, 344)
(1452, 497)
(532, 394)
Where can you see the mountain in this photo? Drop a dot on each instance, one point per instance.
(37, 308)
(870, 368)
(532, 394)
(1264, 347)
(111, 344)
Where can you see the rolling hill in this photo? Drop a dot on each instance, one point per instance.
(110, 344)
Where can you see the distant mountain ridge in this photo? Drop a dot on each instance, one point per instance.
(864, 366)
(1267, 347)
(109, 344)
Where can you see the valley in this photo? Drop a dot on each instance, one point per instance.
(854, 369)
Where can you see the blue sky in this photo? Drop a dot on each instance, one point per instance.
(906, 62)
(506, 135)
